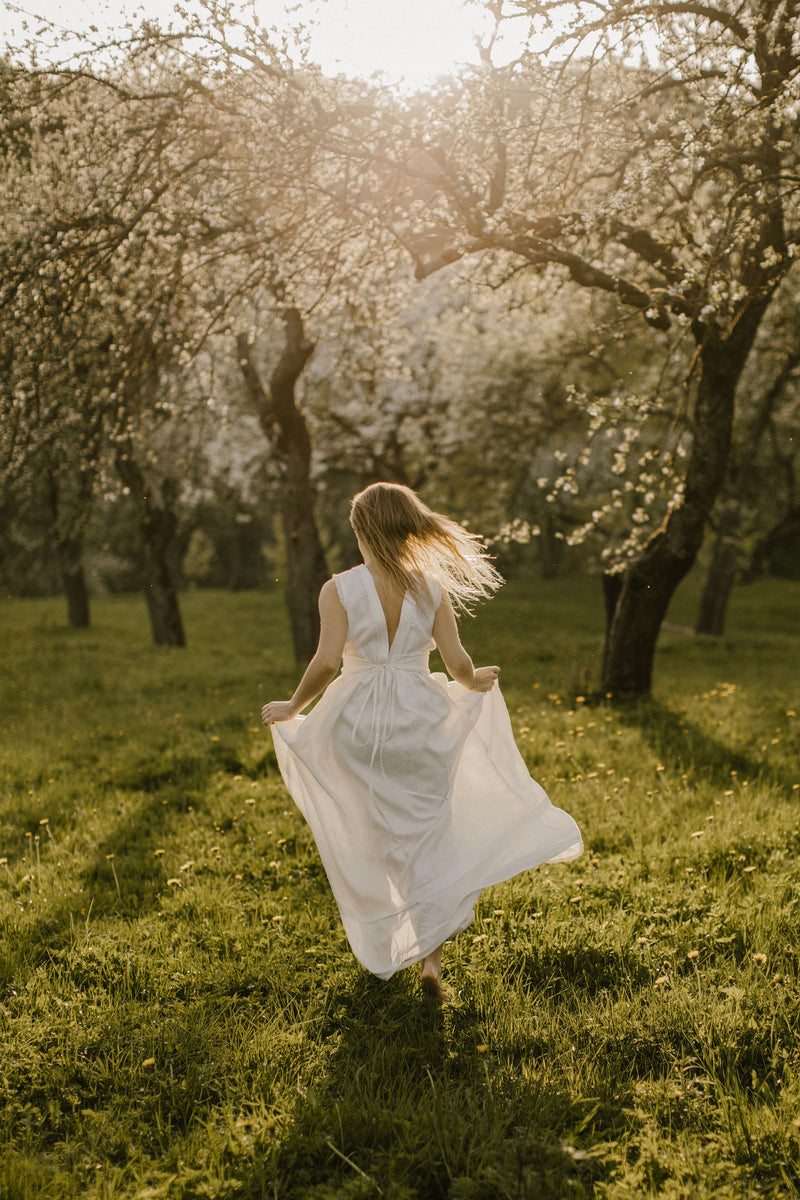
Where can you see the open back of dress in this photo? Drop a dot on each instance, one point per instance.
(413, 787)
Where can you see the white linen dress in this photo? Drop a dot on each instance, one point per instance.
(413, 787)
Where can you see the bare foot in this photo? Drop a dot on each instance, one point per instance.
(433, 991)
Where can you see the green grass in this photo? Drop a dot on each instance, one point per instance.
(180, 1013)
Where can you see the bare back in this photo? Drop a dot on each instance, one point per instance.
(391, 599)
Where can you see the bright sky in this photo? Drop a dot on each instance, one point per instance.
(415, 40)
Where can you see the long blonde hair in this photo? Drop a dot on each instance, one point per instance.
(409, 541)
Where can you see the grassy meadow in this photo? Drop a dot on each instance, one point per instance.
(181, 1016)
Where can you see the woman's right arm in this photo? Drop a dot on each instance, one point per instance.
(324, 666)
(454, 656)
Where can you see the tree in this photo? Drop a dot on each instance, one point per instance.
(118, 250)
(51, 426)
(287, 430)
(89, 304)
(670, 185)
(223, 173)
(759, 493)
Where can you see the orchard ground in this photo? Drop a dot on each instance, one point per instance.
(181, 1016)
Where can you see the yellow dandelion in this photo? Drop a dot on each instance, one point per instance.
(759, 959)
(693, 954)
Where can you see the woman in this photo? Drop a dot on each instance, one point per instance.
(412, 785)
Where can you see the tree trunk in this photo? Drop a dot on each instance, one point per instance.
(157, 527)
(721, 573)
(785, 533)
(66, 536)
(73, 578)
(287, 431)
(158, 530)
(647, 585)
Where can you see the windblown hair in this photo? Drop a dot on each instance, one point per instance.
(409, 541)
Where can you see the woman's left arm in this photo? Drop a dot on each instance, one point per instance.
(323, 667)
(454, 656)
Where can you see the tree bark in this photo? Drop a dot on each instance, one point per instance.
(73, 578)
(721, 573)
(68, 546)
(785, 533)
(647, 585)
(288, 434)
(157, 528)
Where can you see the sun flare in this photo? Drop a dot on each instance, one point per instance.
(407, 42)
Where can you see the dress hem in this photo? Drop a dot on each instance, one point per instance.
(570, 852)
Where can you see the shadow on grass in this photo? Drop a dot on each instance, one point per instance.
(681, 743)
(149, 799)
(121, 874)
(411, 1106)
(192, 771)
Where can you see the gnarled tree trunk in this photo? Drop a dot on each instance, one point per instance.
(287, 431)
(645, 588)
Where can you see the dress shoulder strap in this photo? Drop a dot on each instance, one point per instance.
(435, 589)
(350, 587)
